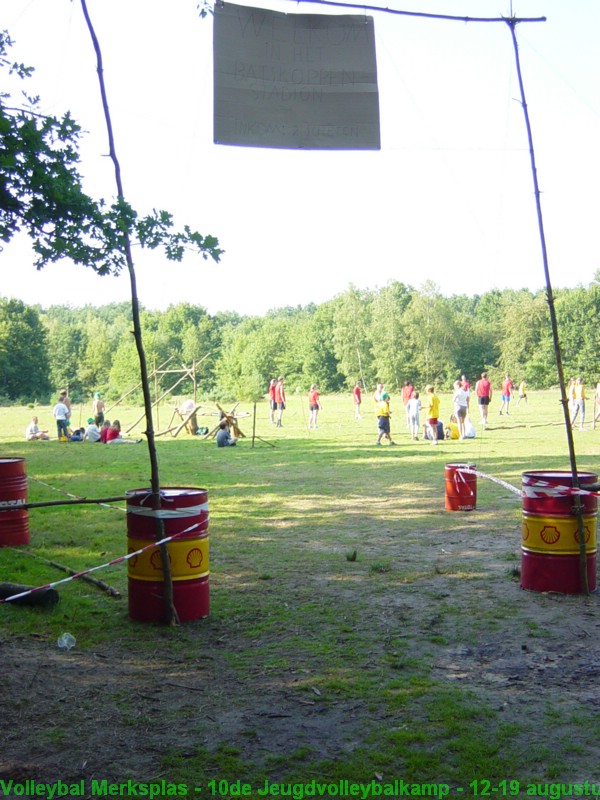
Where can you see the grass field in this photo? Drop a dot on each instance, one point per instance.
(358, 630)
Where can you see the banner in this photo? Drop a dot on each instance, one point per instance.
(295, 81)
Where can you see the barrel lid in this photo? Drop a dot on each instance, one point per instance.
(558, 476)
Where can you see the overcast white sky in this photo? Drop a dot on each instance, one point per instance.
(448, 198)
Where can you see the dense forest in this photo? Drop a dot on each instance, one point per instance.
(390, 334)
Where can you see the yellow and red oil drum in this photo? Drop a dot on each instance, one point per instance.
(461, 487)
(550, 552)
(14, 520)
(184, 512)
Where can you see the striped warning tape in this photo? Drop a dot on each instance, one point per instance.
(69, 494)
(114, 561)
(533, 488)
(168, 513)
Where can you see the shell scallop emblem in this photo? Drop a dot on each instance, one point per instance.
(194, 558)
(155, 560)
(549, 534)
(587, 537)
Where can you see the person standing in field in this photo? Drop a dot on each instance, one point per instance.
(280, 400)
(314, 406)
(571, 395)
(596, 404)
(483, 390)
(61, 415)
(406, 393)
(466, 384)
(98, 409)
(522, 393)
(63, 397)
(414, 406)
(357, 397)
(507, 390)
(272, 401)
(461, 406)
(382, 409)
(578, 403)
(432, 408)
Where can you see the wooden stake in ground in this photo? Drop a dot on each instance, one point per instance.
(578, 507)
(170, 612)
(87, 578)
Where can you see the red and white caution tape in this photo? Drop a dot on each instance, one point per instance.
(114, 561)
(534, 488)
(168, 513)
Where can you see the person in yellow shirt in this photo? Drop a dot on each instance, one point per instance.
(432, 409)
(382, 409)
(451, 430)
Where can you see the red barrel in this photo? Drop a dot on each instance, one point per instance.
(14, 522)
(550, 559)
(461, 487)
(184, 513)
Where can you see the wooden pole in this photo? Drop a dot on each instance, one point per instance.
(135, 388)
(554, 324)
(169, 607)
(156, 394)
(87, 578)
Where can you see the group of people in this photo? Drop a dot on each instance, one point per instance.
(433, 429)
(483, 390)
(276, 401)
(576, 396)
(98, 428)
(459, 426)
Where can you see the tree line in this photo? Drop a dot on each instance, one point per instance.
(389, 334)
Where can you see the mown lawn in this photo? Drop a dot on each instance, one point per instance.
(358, 630)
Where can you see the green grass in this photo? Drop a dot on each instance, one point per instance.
(340, 588)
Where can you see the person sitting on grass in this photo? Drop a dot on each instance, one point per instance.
(92, 432)
(33, 433)
(113, 435)
(104, 431)
(451, 430)
(224, 437)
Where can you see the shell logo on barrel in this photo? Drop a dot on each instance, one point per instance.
(188, 559)
(194, 558)
(156, 561)
(587, 532)
(184, 511)
(557, 534)
(550, 534)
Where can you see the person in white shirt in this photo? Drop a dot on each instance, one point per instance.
(33, 433)
(92, 432)
(461, 406)
(61, 415)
